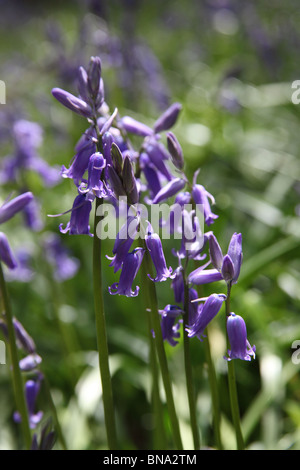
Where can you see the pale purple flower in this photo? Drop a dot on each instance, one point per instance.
(237, 335)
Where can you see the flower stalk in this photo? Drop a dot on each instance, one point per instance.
(16, 373)
(232, 386)
(150, 287)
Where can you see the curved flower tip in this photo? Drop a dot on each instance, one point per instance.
(155, 249)
(131, 265)
(10, 208)
(79, 221)
(73, 103)
(6, 254)
(206, 312)
(237, 335)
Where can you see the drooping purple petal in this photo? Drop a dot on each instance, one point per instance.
(204, 276)
(236, 254)
(9, 209)
(237, 335)
(168, 118)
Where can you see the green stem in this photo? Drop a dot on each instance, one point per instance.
(189, 371)
(16, 373)
(161, 351)
(159, 437)
(54, 413)
(214, 391)
(232, 386)
(109, 412)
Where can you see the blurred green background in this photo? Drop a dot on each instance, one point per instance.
(231, 64)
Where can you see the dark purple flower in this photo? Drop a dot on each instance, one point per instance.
(155, 249)
(206, 312)
(237, 335)
(170, 323)
(80, 214)
(131, 265)
(31, 391)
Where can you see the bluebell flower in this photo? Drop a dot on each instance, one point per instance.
(206, 312)
(130, 267)
(80, 214)
(94, 186)
(237, 335)
(154, 245)
(31, 392)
